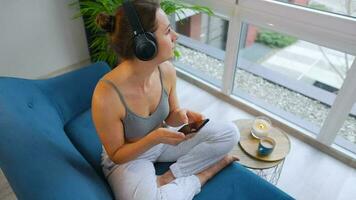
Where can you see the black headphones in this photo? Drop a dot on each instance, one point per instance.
(145, 44)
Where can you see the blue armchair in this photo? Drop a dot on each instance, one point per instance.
(49, 148)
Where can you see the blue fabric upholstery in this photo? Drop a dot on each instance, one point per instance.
(235, 182)
(81, 132)
(49, 148)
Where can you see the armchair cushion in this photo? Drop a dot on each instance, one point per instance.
(82, 134)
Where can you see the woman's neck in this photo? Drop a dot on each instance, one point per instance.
(139, 72)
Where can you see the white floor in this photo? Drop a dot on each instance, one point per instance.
(307, 173)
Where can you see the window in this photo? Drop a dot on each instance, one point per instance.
(295, 79)
(346, 137)
(202, 43)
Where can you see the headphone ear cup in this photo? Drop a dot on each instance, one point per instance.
(145, 46)
(151, 36)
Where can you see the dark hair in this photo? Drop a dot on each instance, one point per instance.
(119, 30)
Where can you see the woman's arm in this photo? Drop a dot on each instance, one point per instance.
(177, 116)
(107, 110)
(170, 75)
(131, 151)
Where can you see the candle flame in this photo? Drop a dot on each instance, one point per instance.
(261, 126)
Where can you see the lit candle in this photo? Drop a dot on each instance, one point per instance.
(261, 127)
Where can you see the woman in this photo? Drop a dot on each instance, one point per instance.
(129, 107)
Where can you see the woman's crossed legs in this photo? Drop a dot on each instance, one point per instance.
(197, 160)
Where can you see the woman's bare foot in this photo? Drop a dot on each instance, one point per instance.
(208, 173)
(165, 178)
(203, 176)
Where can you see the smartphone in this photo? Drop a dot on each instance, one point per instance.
(193, 127)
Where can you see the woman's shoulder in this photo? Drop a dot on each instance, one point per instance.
(105, 98)
(169, 75)
(168, 70)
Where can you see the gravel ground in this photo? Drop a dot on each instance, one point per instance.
(292, 102)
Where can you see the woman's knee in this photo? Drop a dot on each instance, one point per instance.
(228, 136)
(235, 133)
(227, 130)
(232, 134)
(225, 133)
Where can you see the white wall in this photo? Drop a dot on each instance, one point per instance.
(38, 38)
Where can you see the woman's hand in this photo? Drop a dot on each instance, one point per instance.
(183, 116)
(194, 116)
(166, 136)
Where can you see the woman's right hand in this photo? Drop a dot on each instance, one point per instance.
(167, 136)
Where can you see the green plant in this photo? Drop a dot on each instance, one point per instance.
(318, 6)
(274, 39)
(278, 40)
(98, 41)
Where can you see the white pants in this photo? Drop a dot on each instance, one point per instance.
(136, 179)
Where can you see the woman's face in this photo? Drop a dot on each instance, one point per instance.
(166, 37)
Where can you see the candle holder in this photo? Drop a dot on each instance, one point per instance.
(261, 127)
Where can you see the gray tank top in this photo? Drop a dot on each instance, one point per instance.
(136, 126)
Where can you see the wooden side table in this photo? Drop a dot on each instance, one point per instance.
(268, 167)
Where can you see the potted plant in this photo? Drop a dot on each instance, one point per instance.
(97, 40)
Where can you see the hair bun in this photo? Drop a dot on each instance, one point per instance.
(106, 22)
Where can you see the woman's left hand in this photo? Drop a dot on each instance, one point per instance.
(184, 116)
(194, 116)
